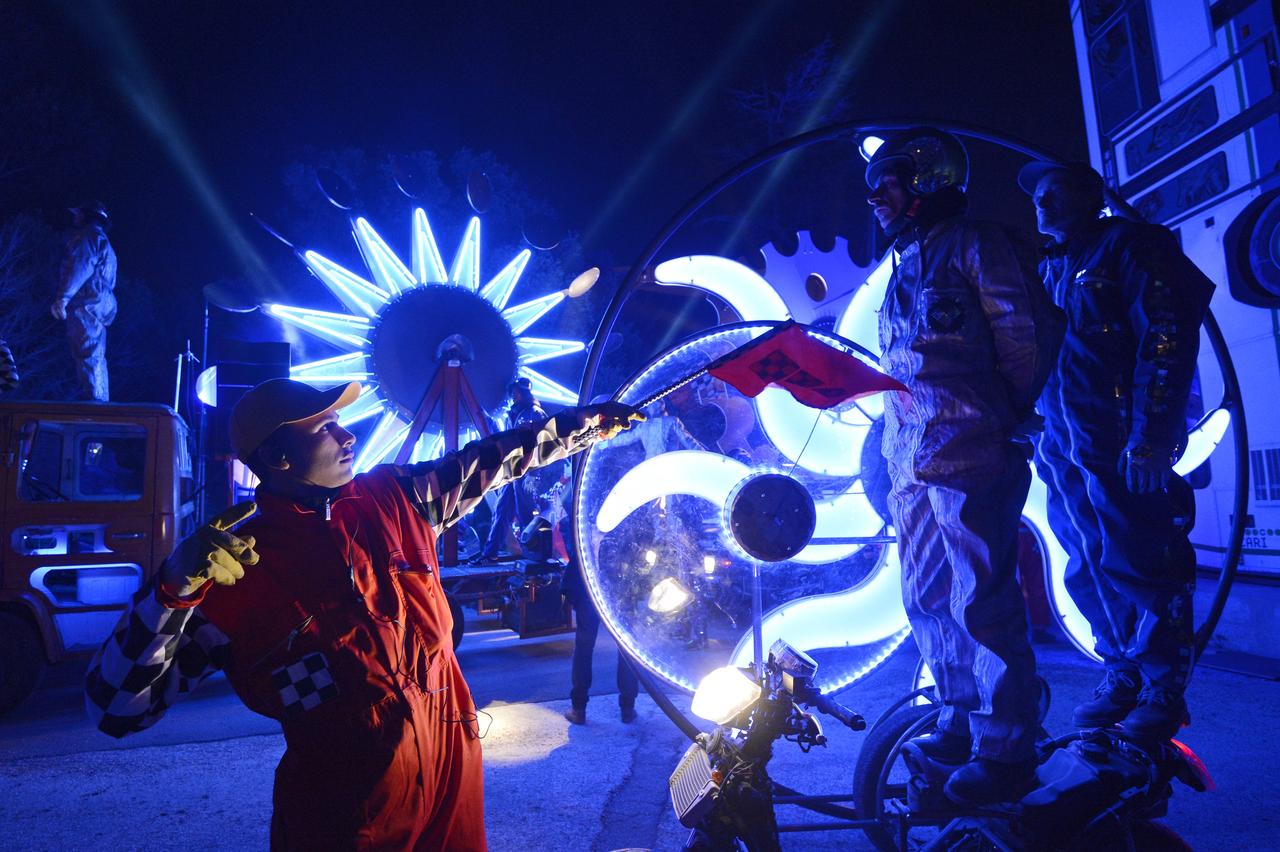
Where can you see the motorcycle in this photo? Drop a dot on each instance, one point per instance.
(1095, 789)
(721, 788)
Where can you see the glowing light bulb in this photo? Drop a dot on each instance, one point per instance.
(868, 147)
(669, 596)
(723, 694)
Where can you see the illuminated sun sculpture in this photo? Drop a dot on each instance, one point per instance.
(395, 322)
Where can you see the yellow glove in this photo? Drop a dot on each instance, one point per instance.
(607, 419)
(210, 553)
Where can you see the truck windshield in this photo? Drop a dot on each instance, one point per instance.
(84, 461)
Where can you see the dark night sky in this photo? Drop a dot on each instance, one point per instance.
(576, 97)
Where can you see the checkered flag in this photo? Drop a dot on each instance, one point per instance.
(818, 375)
(304, 685)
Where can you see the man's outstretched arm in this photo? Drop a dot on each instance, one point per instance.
(446, 489)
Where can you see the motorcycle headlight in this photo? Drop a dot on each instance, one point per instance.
(724, 694)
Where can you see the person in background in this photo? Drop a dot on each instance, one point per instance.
(512, 505)
(587, 621)
(85, 297)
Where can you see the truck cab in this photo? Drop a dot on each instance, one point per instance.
(93, 497)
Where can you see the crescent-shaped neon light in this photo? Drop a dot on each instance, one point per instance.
(749, 294)
(1203, 440)
(824, 621)
(826, 442)
(1035, 514)
(859, 321)
(700, 474)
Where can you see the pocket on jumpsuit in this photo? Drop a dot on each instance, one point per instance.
(341, 770)
(1096, 303)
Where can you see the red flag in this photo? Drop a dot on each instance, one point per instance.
(818, 375)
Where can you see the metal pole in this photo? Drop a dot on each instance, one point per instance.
(200, 426)
(757, 618)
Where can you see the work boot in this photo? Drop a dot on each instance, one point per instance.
(943, 746)
(628, 713)
(987, 782)
(1112, 701)
(1159, 715)
(576, 715)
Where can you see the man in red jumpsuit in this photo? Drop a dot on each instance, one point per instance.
(327, 614)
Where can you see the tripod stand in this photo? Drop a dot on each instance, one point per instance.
(450, 390)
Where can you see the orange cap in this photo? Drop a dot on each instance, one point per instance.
(275, 402)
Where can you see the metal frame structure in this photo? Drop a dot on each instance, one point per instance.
(854, 131)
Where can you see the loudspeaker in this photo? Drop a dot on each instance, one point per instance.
(241, 365)
(1252, 248)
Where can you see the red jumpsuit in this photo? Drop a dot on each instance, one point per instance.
(341, 632)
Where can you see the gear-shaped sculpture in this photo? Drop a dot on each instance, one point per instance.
(398, 322)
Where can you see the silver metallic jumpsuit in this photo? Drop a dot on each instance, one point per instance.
(957, 328)
(86, 282)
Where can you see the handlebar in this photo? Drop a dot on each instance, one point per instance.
(851, 720)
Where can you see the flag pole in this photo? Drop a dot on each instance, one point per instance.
(692, 377)
(757, 619)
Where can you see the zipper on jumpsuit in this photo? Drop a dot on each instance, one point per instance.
(1073, 451)
(412, 715)
(917, 434)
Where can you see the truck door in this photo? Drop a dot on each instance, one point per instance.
(81, 518)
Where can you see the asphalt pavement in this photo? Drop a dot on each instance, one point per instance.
(201, 778)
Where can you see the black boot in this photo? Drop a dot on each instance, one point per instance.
(988, 782)
(1159, 715)
(943, 747)
(576, 715)
(1112, 700)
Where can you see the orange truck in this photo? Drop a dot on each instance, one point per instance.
(95, 495)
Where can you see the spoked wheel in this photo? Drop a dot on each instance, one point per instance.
(459, 620)
(881, 776)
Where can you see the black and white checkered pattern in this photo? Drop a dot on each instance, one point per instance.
(154, 655)
(779, 367)
(446, 489)
(157, 654)
(304, 685)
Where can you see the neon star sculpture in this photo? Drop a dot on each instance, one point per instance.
(395, 287)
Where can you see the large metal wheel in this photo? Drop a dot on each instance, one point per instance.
(855, 132)
(880, 774)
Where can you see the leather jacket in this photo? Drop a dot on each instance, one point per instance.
(958, 329)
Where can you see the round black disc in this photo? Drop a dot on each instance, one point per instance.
(410, 330)
(772, 517)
